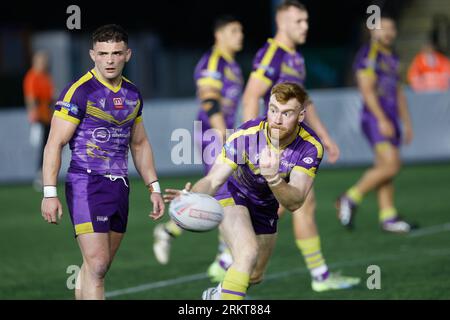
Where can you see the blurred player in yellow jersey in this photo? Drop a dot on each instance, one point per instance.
(277, 62)
(385, 111)
(219, 83)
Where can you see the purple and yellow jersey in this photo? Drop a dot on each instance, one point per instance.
(241, 151)
(104, 116)
(218, 70)
(275, 63)
(383, 65)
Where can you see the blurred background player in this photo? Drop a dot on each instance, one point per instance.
(38, 94)
(429, 70)
(276, 62)
(268, 161)
(219, 84)
(100, 114)
(385, 105)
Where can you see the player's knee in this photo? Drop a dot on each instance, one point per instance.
(98, 267)
(392, 169)
(256, 277)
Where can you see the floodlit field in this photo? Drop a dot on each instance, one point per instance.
(35, 256)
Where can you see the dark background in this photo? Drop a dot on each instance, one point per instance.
(335, 33)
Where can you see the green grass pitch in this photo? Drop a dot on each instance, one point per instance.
(35, 256)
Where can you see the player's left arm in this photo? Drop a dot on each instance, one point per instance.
(313, 120)
(404, 115)
(290, 195)
(142, 154)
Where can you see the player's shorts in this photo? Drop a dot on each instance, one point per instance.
(370, 128)
(96, 203)
(264, 216)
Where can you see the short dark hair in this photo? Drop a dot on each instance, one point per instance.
(286, 4)
(224, 20)
(110, 32)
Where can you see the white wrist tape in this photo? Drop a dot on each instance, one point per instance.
(276, 180)
(50, 192)
(154, 187)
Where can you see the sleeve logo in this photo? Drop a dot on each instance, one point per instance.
(72, 108)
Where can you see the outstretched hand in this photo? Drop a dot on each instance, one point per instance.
(173, 193)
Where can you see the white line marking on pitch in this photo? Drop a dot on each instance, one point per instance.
(430, 230)
(202, 276)
(158, 284)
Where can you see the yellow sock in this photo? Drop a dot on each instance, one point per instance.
(386, 214)
(354, 195)
(173, 229)
(311, 251)
(234, 285)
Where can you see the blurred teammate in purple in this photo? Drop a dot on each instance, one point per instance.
(276, 62)
(384, 110)
(100, 116)
(219, 82)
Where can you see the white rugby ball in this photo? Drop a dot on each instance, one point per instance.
(196, 212)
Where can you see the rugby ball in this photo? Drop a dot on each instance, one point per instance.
(196, 211)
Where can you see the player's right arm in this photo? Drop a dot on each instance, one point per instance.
(224, 166)
(209, 79)
(69, 111)
(211, 98)
(60, 134)
(366, 79)
(209, 184)
(367, 87)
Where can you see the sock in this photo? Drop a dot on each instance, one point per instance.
(172, 229)
(234, 285)
(354, 195)
(387, 214)
(310, 249)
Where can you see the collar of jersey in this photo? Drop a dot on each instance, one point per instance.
(226, 56)
(282, 147)
(106, 84)
(381, 48)
(282, 46)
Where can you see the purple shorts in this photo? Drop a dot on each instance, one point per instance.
(97, 204)
(264, 216)
(369, 126)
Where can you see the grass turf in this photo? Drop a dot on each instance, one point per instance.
(35, 255)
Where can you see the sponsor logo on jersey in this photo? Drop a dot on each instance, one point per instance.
(118, 103)
(285, 163)
(131, 103)
(308, 160)
(101, 134)
(73, 108)
(102, 102)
